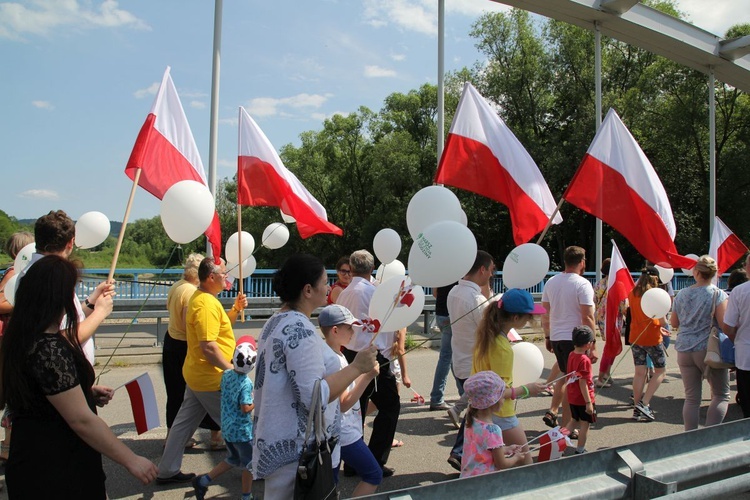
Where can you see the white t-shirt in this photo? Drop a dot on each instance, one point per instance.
(737, 315)
(88, 346)
(566, 293)
(356, 297)
(465, 308)
(351, 420)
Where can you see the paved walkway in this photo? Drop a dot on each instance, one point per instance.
(427, 435)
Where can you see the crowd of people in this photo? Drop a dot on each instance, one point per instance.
(255, 396)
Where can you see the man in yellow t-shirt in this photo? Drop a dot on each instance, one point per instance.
(210, 347)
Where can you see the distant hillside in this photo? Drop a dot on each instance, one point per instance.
(113, 231)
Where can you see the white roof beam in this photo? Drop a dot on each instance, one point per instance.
(617, 6)
(734, 48)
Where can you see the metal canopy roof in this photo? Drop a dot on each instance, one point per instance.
(634, 23)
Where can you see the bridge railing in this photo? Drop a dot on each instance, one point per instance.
(154, 283)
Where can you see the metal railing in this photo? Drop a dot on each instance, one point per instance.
(155, 283)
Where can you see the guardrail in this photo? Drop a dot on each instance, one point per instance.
(705, 463)
(155, 283)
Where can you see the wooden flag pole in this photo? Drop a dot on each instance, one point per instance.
(549, 222)
(124, 224)
(239, 252)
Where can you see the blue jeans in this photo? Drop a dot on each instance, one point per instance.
(458, 447)
(437, 395)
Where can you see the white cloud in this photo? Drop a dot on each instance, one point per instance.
(378, 72)
(198, 104)
(41, 17)
(421, 16)
(269, 106)
(227, 163)
(398, 57)
(715, 17)
(151, 90)
(324, 116)
(43, 105)
(44, 194)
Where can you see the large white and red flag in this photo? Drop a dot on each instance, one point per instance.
(263, 180)
(617, 183)
(143, 402)
(482, 155)
(166, 152)
(726, 248)
(619, 285)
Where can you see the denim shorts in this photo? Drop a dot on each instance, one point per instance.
(239, 454)
(655, 352)
(505, 423)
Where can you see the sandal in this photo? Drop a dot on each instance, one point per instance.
(550, 419)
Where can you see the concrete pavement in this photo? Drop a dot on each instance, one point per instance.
(427, 435)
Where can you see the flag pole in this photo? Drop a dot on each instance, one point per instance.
(124, 223)
(239, 252)
(549, 222)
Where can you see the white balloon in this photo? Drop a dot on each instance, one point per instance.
(232, 250)
(528, 363)
(287, 218)
(525, 266)
(23, 257)
(10, 289)
(387, 245)
(187, 210)
(429, 205)
(275, 236)
(443, 253)
(393, 314)
(689, 272)
(388, 271)
(248, 267)
(464, 218)
(655, 303)
(92, 228)
(665, 274)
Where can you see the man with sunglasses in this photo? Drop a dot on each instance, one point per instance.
(211, 344)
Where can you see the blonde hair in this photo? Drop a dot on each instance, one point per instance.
(645, 282)
(192, 262)
(706, 267)
(16, 242)
(494, 321)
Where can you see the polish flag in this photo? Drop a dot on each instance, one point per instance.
(143, 401)
(619, 285)
(726, 248)
(166, 153)
(483, 156)
(263, 180)
(616, 183)
(552, 445)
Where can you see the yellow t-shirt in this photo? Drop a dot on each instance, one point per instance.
(177, 301)
(500, 361)
(206, 321)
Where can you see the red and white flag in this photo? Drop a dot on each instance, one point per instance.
(726, 248)
(143, 401)
(616, 183)
(552, 445)
(263, 180)
(619, 285)
(166, 152)
(482, 155)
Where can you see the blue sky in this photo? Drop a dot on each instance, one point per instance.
(78, 78)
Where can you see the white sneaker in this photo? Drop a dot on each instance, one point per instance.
(455, 417)
(645, 410)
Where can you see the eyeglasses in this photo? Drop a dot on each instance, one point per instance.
(345, 271)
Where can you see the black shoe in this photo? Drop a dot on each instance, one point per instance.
(455, 461)
(349, 471)
(387, 471)
(177, 478)
(440, 406)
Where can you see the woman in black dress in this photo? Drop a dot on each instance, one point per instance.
(58, 440)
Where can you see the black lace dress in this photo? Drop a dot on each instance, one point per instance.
(47, 459)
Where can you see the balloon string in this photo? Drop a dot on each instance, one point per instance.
(390, 310)
(135, 318)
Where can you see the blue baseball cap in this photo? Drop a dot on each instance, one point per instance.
(517, 301)
(335, 315)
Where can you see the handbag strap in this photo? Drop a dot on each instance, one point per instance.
(314, 417)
